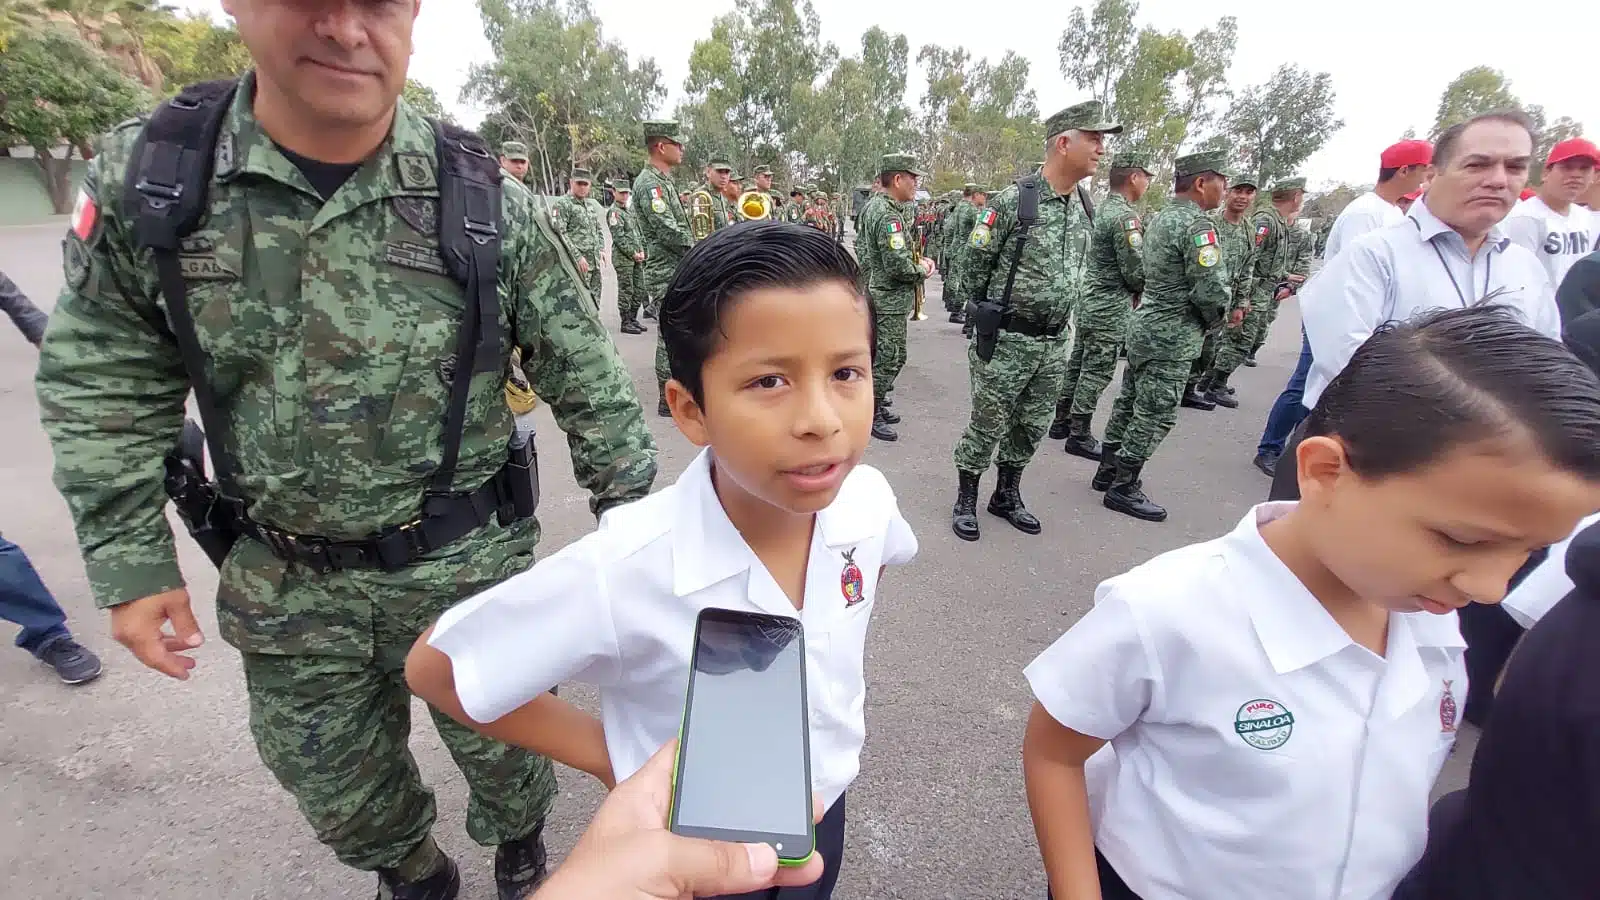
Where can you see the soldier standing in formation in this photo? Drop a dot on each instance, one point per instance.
(961, 219)
(731, 189)
(794, 212)
(329, 353)
(718, 171)
(895, 276)
(663, 229)
(1276, 256)
(1112, 280)
(627, 257)
(763, 175)
(514, 159)
(1015, 389)
(1228, 345)
(577, 218)
(1187, 292)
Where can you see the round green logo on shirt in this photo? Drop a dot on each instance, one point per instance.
(1264, 724)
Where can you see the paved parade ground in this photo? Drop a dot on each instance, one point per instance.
(140, 787)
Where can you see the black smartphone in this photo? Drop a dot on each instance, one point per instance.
(744, 750)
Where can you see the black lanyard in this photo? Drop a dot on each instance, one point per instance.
(1488, 268)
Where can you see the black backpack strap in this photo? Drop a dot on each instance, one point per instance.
(164, 199)
(469, 238)
(1088, 204)
(1027, 215)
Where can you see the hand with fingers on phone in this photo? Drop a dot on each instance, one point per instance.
(141, 626)
(628, 853)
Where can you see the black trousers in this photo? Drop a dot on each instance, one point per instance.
(830, 843)
(1286, 480)
(1112, 887)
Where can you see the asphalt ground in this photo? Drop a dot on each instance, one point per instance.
(138, 786)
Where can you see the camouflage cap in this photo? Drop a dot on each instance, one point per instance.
(1199, 163)
(1243, 179)
(1131, 160)
(663, 128)
(720, 163)
(1288, 184)
(900, 162)
(735, 176)
(969, 187)
(797, 189)
(516, 151)
(761, 170)
(583, 175)
(1090, 115)
(621, 185)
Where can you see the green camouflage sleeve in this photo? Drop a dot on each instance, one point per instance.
(991, 228)
(624, 241)
(893, 241)
(573, 366)
(1264, 240)
(1207, 273)
(111, 390)
(1128, 238)
(1303, 248)
(1244, 277)
(660, 227)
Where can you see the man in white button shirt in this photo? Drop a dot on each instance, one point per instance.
(1551, 224)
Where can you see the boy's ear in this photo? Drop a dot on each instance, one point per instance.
(1320, 463)
(686, 413)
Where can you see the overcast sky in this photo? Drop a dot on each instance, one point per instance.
(1365, 44)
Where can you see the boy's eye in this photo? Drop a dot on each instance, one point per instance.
(849, 373)
(768, 382)
(1454, 542)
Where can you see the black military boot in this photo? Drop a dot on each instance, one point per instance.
(631, 325)
(966, 327)
(1126, 495)
(662, 409)
(881, 429)
(1217, 392)
(889, 415)
(1080, 439)
(519, 866)
(964, 517)
(1006, 502)
(1059, 426)
(1108, 466)
(1251, 359)
(959, 317)
(1194, 399)
(444, 884)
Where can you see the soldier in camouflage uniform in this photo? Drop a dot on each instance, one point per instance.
(763, 176)
(958, 229)
(1227, 345)
(795, 210)
(663, 228)
(718, 173)
(1187, 292)
(514, 160)
(886, 237)
(1014, 392)
(1112, 280)
(577, 218)
(627, 257)
(1276, 256)
(330, 351)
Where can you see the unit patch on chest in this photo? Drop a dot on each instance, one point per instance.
(409, 255)
(421, 213)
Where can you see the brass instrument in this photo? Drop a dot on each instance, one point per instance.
(917, 315)
(754, 206)
(701, 220)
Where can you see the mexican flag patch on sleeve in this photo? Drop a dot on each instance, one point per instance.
(1208, 239)
(894, 226)
(989, 216)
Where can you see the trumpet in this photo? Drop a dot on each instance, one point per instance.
(701, 220)
(917, 315)
(754, 206)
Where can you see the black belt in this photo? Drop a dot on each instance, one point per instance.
(1029, 328)
(447, 518)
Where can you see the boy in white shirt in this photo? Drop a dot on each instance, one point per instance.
(1262, 716)
(1552, 224)
(770, 349)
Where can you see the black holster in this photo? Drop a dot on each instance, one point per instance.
(986, 317)
(200, 504)
(522, 483)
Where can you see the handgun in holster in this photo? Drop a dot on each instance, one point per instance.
(521, 472)
(200, 503)
(986, 317)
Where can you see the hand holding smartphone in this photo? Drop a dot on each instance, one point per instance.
(743, 770)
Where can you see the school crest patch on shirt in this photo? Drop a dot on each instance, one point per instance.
(1447, 711)
(851, 583)
(1264, 724)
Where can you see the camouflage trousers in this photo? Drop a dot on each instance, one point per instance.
(1238, 343)
(1266, 325)
(891, 319)
(630, 288)
(594, 284)
(955, 295)
(1147, 407)
(1090, 365)
(335, 732)
(1208, 353)
(1013, 397)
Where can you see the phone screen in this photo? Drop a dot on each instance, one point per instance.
(743, 767)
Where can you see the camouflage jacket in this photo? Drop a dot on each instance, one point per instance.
(958, 224)
(1273, 253)
(625, 239)
(893, 271)
(1238, 252)
(860, 243)
(1302, 248)
(1114, 274)
(663, 224)
(579, 222)
(721, 212)
(1186, 285)
(1050, 273)
(330, 329)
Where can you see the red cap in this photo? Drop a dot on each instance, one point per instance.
(1406, 153)
(1413, 195)
(1528, 192)
(1573, 148)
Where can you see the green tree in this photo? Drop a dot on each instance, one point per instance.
(557, 84)
(858, 114)
(980, 120)
(1276, 126)
(58, 94)
(1095, 49)
(119, 28)
(1478, 90)
(196, 49)
(423, 99)
(1546, 137)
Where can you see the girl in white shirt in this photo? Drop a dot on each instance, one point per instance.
(1262, 716)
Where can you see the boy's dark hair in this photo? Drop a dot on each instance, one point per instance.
(731, 262)
(1417, 389)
